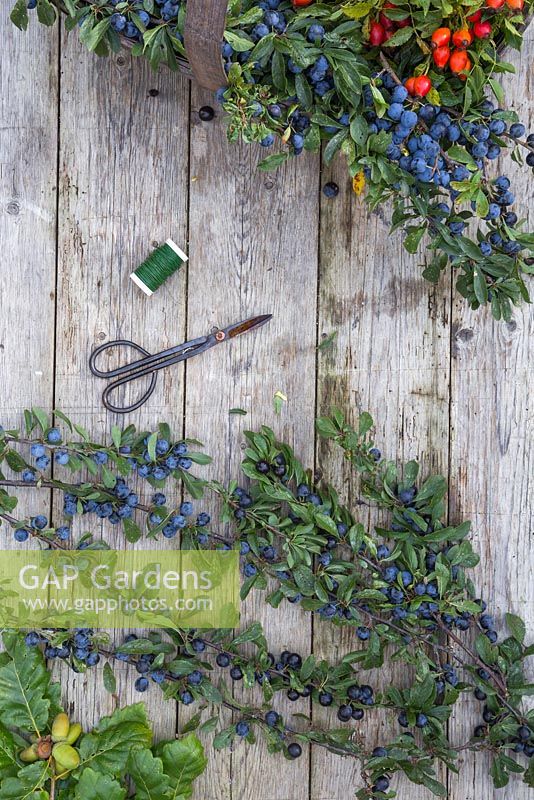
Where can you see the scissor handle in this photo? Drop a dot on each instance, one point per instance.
(111, 373)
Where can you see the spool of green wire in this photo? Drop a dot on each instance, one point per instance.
(163, 262)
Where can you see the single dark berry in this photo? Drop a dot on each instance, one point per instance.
(379, 752)
(523, 732)
(141, 684)
(354, 692)
(344, 713)
(206, 113)
(293, 694)
(294, 750)
(381, 784)
(403, 719)
(186, 698)
(358, 714)
(294, 661)
(325, 699)
(223, 660)
(271, 718)
(236, 674)
(330, 189)
(242, 728)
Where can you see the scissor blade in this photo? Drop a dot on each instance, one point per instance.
(247, 325)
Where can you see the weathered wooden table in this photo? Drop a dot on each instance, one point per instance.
(101, 158)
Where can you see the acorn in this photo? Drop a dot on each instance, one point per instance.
(29, 755)
(60, 728)
(66, 757)
(75, 732)
(44, 747)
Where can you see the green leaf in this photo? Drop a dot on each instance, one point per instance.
(365, 423)
(107, 748)
(528, 776)
(250, 634)
(325, 427)
(307, 667)
(305, 579)
(480, 286)
(108, 478)
(485, 650)
(28, 783)
(98, 787)
(497, 89)
(131, 530)
(151, 783)
(183, 761)
(238, 412)
(272, 162)
(334, 144)
(499, 774)
(15, 461)
(224, 738)
(400, 36)
(328, 341)
(278, 69)
(116, 436)
(458, 153)
(358, 10)
(435, 786)
(19, 15)
(151, 445)
(193, 723)
(516, 626)
(421, 694)
(8, 753)
(304, 93)
(46, 13)
(413, 238)
(359, 130)
(26, 693)
(239, 42)
(92, 35)
(110, 682)
(482, 204)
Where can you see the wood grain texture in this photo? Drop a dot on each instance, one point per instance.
(390, 357)
(203, 34)
(28, 179)
(492, 447)
(255, 257)
(28, 168)
(119, 124)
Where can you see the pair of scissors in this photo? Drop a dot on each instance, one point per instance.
(151, 364)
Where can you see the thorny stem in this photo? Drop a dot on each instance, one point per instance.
(34, 533)
(257, 716)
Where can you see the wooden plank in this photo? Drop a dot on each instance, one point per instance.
(28, 147)
(28, 175)
(123, 171)
(492, 449)
(390, 357)
(253, 247)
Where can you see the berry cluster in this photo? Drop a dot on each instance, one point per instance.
(383, 29)
(111, 496)
(308, 75)
(79, 647)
